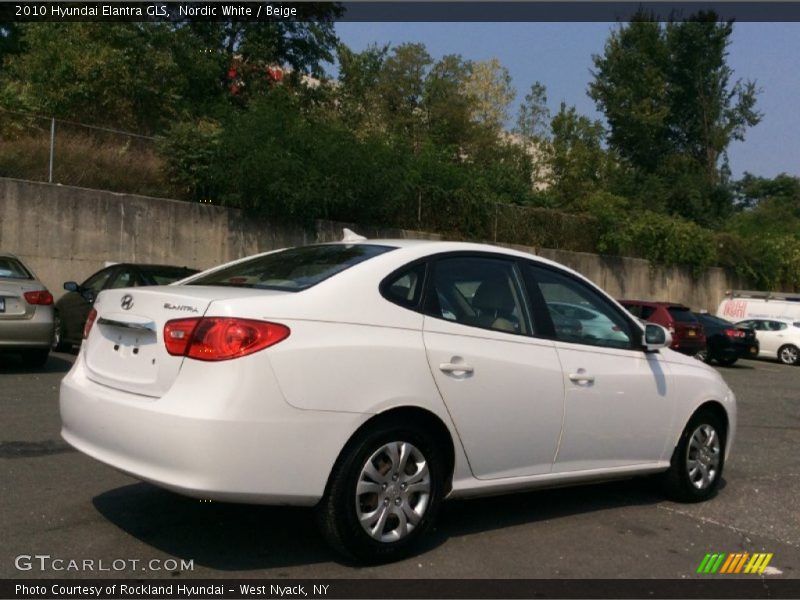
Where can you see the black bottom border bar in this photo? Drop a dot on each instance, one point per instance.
(152, 589)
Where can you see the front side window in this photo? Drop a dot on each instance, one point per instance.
(292, 270)
(479, 292)
(591, 319)
(96, 282)
(124, 278)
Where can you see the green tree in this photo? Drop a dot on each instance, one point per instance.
(577, 159)
(116, 74)
(357, 95)
(533, 116)
(402, 86)
(673, 109)
(448, 109)
(490, 91)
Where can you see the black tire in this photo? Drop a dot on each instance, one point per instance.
(337, 514)
(704, 355)
(677, 482)
(35, 358)
(59, 345)
(789, 354)
(727, 362)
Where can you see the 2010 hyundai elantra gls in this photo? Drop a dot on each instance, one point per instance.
(374, 379)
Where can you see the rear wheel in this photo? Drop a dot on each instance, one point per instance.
(789, 354)
(703, 355)
(36, 357)
(383, 494)
(696, 467)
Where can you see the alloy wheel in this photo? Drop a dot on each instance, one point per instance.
(393, 491)
(703, 457)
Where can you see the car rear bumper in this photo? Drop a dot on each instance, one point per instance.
(36, 332)
(210, 436)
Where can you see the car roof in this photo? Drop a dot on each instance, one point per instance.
(656, 303)
(421, 247)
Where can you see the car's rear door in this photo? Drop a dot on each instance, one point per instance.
(502, 385)
(618, 410)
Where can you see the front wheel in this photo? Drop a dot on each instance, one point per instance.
(59, 345)
(383, 494)
(789, 354)
(696, 467)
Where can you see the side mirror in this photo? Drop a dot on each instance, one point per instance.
(71, 286)
(655, 337)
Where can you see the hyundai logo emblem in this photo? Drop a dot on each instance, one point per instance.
(127, 302)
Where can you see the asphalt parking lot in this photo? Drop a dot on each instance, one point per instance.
(58, 502)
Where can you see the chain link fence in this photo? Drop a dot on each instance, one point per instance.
(41, 148)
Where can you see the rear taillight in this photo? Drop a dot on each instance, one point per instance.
(89, 323)
(42, 297)
(735, 333)
(220, 338)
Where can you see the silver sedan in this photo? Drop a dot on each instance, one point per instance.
(26, 312)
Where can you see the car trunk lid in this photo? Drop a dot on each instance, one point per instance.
(13, 305)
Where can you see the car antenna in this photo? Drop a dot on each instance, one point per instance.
(348, 235)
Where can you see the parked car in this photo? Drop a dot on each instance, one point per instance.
(73, 308)
(373, 379)
(778, 338)
(688, 336)
(725, 342)
(26, 312)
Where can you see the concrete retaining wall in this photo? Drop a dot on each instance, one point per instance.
(67, 233)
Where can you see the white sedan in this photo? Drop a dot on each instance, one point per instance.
(374, 379)
(777, 338)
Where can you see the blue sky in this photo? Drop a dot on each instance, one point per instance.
(559, 55)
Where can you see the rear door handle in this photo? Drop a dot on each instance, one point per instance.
(581, 377)
(456, 368)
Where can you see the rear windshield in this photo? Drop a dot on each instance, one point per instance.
(155, 275)
(294, 269)
(712, 320)
(682, 314)
(11, 268)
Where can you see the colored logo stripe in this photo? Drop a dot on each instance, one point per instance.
(721, 562)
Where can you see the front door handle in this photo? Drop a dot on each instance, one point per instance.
(581, 377)
(456, 368)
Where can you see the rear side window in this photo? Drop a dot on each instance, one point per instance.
(479, 292)
(681, 314)
(405, 289)
(11, 268)
(647, 312)
(294, 269)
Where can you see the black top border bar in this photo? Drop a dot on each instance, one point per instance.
(400, 11)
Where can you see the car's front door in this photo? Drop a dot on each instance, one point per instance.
(618, 410)
(502, 385)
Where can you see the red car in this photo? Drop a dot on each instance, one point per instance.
(687, 332)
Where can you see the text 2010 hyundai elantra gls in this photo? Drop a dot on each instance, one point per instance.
(373, 379)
